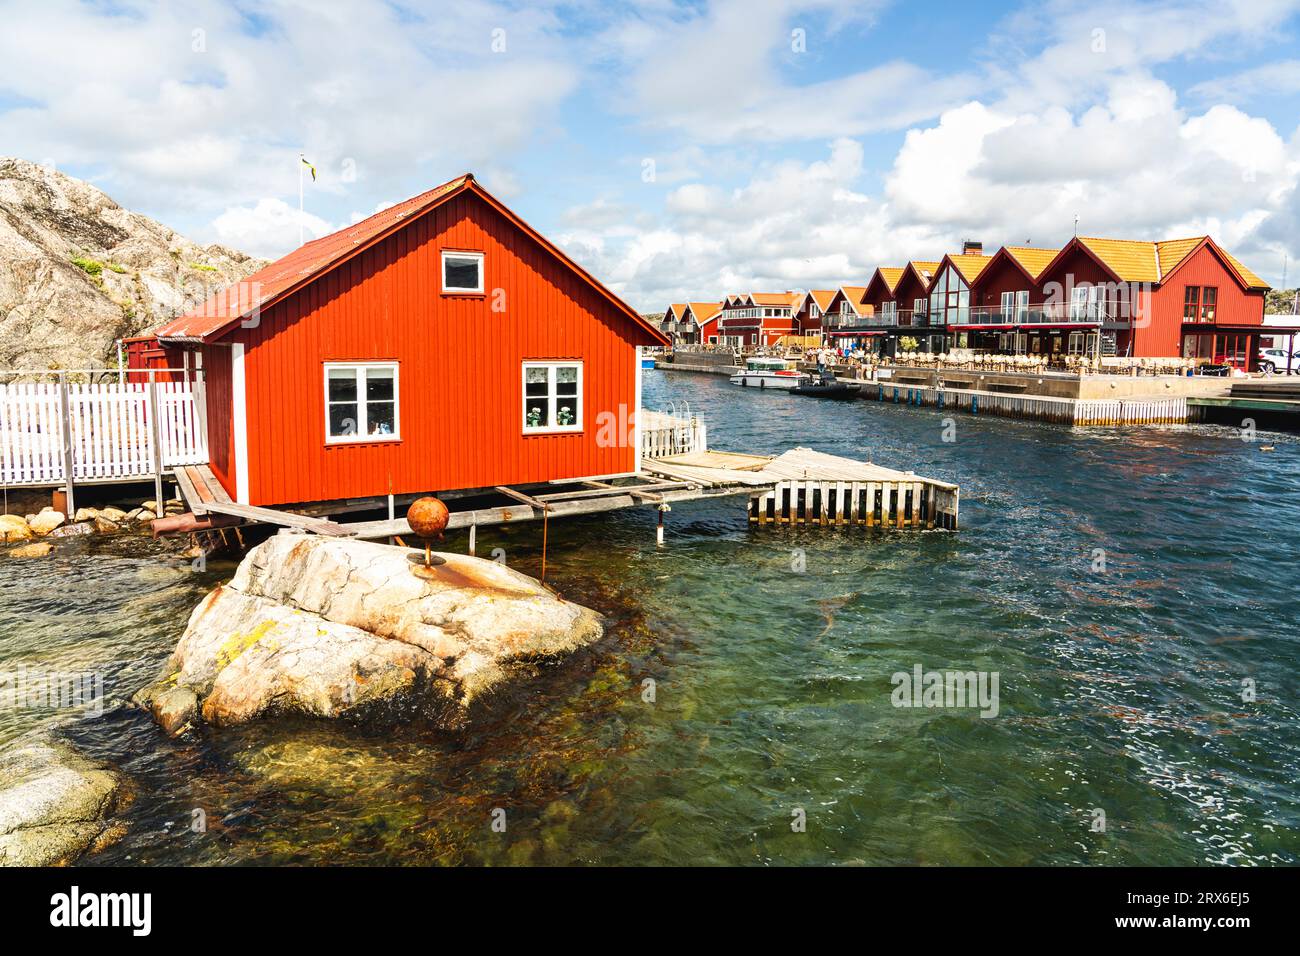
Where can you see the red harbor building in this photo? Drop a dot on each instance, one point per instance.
(440, 344)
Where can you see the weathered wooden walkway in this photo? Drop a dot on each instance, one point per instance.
(799, 487)
(807, 487)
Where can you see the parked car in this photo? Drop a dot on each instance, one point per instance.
(1274, 360)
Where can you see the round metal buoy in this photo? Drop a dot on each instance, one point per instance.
(428, 520)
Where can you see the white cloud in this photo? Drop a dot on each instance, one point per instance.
(719, 75)
(268, 228)
(379, 97)
(1270, 79)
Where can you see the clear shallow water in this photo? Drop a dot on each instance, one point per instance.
(1118, 690)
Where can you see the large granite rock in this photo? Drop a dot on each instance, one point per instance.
(330, 627)
(77, 271)
(53, 804)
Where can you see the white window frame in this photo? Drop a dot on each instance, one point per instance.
(452, 253)
(552, 398)
(361, 435)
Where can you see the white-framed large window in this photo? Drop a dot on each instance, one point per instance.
(361, 402)
(552, 397)
(462, 271)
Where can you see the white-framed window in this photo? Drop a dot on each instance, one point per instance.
(462, 271)
(361, 402)
(552, 397)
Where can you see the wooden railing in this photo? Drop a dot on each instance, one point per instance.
(99, 431)
(664, 435)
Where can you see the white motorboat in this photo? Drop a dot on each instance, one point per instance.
(770, 373)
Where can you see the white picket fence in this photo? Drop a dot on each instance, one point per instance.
(110, 430)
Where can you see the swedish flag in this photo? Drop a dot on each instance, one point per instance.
(309, 166)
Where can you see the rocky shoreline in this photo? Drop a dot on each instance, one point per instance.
(54, 804)
(32, 533)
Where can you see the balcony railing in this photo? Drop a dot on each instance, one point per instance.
(1044, 313)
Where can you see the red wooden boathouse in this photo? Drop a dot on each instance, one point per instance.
(440, 344)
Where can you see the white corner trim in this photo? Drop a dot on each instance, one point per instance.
(239, 421)
(638, 371)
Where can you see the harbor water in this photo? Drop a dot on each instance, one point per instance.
(1133, 593)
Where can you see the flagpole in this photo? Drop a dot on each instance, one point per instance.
(302, 161)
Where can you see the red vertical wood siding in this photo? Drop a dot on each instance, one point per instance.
(908, 290)
(460, 367)
(1003, 276)
(1235, 306)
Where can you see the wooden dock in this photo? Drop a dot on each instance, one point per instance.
(806, 487)
(799, 487)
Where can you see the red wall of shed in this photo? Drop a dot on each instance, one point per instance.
(460, 378)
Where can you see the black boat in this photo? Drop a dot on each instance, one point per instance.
(825, 385)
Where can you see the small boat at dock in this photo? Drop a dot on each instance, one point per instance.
(760, 372)
(826, 385)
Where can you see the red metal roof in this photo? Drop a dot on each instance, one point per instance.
(290, 273)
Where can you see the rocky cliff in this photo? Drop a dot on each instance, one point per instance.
(78, 272)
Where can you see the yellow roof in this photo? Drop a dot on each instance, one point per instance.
(1138, 261)
(676, 310)
(1131, 260)
(703, 311)
(1031, 259)
(822, 297)
(970, 266)
(891, 275)
(925, 268)
(1252, 281)
(1174, 251)
(774, 298)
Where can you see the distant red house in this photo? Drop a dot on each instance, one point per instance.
(1179, 297)
(704, 317)
(810, 312)
(750, 319)
(440, 344)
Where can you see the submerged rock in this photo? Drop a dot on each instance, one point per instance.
(329, 627)
(73, 530)
(53, 804)
(36, 549)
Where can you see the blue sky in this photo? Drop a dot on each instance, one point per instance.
(682, 149)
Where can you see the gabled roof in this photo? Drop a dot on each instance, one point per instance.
(891, 276)
(854, 294)
(1132, 260)
(822, 298)
(1031, 259)
(923, 269)
(970, 266)
(290, 273)
(702, 312)
(775, 298)
(1129, 259)
(888, 276)
(676, 311)
(1174, 252)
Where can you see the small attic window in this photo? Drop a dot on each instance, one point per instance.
(462, 271)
